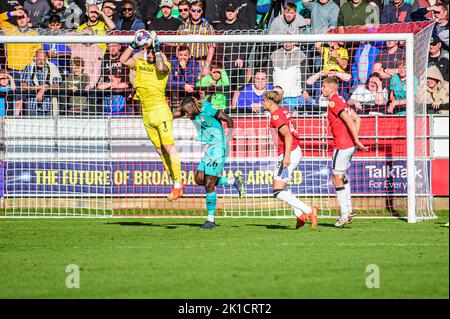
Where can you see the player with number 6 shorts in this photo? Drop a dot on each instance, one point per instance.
(152, 74)
(345, 124)
(208, 120)
(289, 156)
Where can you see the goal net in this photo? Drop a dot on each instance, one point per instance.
(74, 143)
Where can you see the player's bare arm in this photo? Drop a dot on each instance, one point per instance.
(223, 117)
(160, 60)
(127, 59)
(284, 130)
(353, 128)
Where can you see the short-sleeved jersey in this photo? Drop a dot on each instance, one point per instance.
(341, 134)
(278, 119)
(151, 85)
(99, 28)
(209, 128)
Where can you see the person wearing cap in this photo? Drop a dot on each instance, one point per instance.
(169, 4)
(437, 97)
(19, 55)
(168, 21)
(439, 57)
(128, 20)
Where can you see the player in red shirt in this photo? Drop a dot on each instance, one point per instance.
(345, 124)
(289, 156)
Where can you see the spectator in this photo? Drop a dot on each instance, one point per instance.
(364, 60)
(215, 85)
(36, 8)
(250, 99)
(358, 12)
(440, 15)
(439, 57)
(397, 88)
(111, 61)
(19, 55)
(76, 83)
(148, 10)
(175, 12)
(167, 21)
(288, 63)
(184, 74)
(335, 57)
(385, 64)
(397, 11)
(128, 20)
(324, 14)
(289, 21)
(247, 12)
(234, 55)
(38, 78)
(437, 97)
(114, 102)
(183, 7)
(70, 15)
(98, 27)
(58, 53)
(214, 11)
(202, 52)
(370, 98)
(313, 83)
(92, 55)
(417, 4)
(7, 86)
(109, 9)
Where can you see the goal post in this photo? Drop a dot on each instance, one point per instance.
(110, 145)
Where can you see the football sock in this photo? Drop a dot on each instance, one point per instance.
(348, 195)
(167, 165)
(294, 202)
(342, 199)
(175, 166)
(225, 181)
(211, 201)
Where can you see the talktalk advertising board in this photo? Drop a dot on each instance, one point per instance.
(312, 177)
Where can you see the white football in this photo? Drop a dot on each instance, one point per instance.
(142, 37)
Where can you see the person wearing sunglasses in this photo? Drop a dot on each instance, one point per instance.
(128, 20)
(202, 52)
(438, 57)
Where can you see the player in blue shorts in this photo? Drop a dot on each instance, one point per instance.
(208, 122)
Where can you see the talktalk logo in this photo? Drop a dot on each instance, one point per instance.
(394, 171)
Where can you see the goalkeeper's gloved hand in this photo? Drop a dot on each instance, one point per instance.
(134, 45)
(155, 42)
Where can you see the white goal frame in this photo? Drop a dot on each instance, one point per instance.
(407, 37)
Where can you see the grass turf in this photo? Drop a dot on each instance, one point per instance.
(240, 258)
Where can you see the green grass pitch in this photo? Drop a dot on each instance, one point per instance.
(240, 258)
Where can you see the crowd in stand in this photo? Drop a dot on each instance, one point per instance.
(82, 78)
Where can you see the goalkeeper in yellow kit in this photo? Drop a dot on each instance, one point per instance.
(150, 84)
